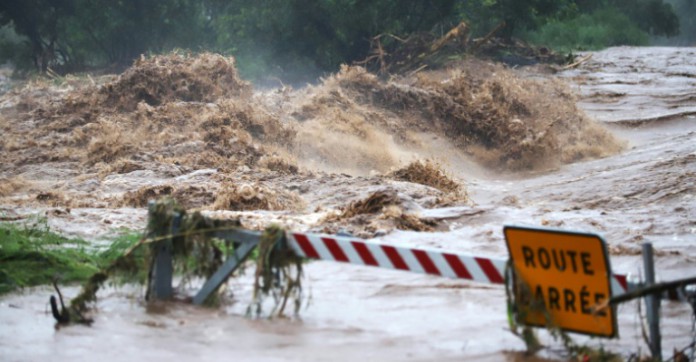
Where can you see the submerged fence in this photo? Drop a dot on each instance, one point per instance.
(435, 262)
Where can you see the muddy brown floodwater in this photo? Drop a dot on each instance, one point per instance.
(642, 190)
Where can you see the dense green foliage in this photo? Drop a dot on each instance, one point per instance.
(686, 11)
(602, 28)
(289, 38)
(655, 17)
(597, 24)
(33, 255)
(78, 33)
(518, 15)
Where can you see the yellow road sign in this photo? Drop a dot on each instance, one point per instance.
(560, 276)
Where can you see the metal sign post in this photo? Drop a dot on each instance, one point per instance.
(652, 303)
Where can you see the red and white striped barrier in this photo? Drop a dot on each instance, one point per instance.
(419, 260)
(619, 284)
(435, 262)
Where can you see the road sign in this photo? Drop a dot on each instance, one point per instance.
(560, 276)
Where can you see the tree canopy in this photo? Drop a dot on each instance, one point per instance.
(287, 37)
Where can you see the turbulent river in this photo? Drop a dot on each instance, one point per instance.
(646, 193)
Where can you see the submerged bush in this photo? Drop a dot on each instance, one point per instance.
(31, 255)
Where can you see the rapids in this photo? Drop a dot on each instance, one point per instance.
(647, 192)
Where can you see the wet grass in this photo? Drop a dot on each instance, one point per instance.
(31, 255)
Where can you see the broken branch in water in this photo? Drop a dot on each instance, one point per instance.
(578, 62)
(65, 316)
(62, 316)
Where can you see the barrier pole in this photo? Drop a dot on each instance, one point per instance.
(231, 264)
(163, 268)
(652, 303)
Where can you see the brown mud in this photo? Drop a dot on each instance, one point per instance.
(439, 159)
(119, 141)
(502, 120)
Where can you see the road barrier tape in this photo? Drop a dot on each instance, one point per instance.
(419, 260)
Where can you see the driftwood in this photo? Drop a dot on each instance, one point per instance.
(578, 62)
(413, 72)
(414, 53)
(459, 32)
(480, 41)
(407, 56)
(378, 53)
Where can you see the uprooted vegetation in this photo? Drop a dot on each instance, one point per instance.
(32, 254)
(188, 196)
(195, 251)
(504, 121)
(190, 110)
(255, 197)
(426, 50)
(431, 174)
(375, 203)
(121, 141)
(196, 112)
(159, 80)
(381, 211)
